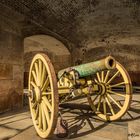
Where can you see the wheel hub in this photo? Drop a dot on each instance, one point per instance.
(103, 88)
(38, 94)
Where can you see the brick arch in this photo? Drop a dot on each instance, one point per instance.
(34, 30)
(55, 49)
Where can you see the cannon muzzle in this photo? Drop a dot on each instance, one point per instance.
(92, 67)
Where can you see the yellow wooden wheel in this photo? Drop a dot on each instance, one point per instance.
(109, 103)
(43, 97)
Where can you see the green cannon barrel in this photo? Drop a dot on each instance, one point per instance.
(92, 67)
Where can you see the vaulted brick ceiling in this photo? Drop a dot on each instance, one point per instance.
(80, 20)
(59, 16)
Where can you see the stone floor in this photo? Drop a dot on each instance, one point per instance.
(83, 124)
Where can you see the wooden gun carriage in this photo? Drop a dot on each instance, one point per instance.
(97, 80)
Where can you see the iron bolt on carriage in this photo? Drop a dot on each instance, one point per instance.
(97, 80)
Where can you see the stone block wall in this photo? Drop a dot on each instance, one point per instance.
(11, 66)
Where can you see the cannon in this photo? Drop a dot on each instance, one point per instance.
(100, 81)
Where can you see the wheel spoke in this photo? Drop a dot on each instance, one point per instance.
(99, 103)
(46, 111)
(116, 93)
(37, 112)
(110, 106)
(34, 76)
(98, 76)
(40, 117)
(40, 71)
(37, 73)
(33, 84)
(114, 100)
(34, 105)
(90, 102)
(106, 77)
(113, 76)
(95, 98)
(43, 76)
(34, 114)
(118, 84)
(102, 76)
(46, 84)
(43, 118)
(104, 106)
(47, 103)
(96, 80)
(46, 93)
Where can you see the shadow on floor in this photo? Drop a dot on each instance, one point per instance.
(78, 116)
(77, 120)
(10, 123)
